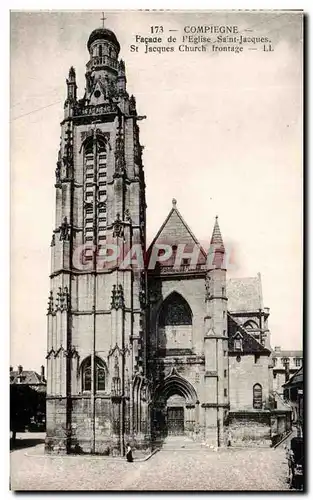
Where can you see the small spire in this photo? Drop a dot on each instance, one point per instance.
(174, 203)
(72, 73)
(217, 236)
(121, 66)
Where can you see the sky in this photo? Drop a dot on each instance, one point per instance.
(223, 136)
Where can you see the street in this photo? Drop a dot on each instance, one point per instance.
(228, 469)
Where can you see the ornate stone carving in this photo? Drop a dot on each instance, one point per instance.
(68, 152)
(58, 173)
(50, 302)
(64, 230)
(207, 288)
(119, 151)
(127, 215)
(117, 227)
(62, 300)
(117, 297)
(132, 105)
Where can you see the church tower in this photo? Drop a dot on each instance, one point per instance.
(97, 393)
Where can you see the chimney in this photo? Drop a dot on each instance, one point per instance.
(287, 373)
(42, 373)
(277, 348)
(19, 369)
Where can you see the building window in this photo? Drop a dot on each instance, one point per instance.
(285, 361)
(223, 291)
(256, 358)
(225, 373)
(185, 262)
(238, 344)
(238, 359)
(224, 333)
(225, 353)
(225, 392)
(274, 361)
(99, 375)
(274, 375)
(175, 311)
(257, 397)
(95, 168)
(297, 361)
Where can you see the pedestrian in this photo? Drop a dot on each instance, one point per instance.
(229, 438)
(290, 457)
(129, 453)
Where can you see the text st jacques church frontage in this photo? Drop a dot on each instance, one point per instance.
(138, 354)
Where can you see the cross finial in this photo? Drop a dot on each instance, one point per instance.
(103, 19)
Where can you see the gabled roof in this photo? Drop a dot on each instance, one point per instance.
(296, 379)
(244, 294)
(249, 344)
(175, 231)
(28, 377)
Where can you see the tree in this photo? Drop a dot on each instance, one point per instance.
(25, 404)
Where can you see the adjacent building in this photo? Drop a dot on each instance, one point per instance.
(293, 394)
(30, 378)
(285, 364)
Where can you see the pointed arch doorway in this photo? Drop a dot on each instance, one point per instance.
(175, 407)
(175, 415)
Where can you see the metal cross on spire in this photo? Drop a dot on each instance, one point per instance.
(103, 19)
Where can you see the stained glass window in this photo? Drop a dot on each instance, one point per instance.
(99, 375)
(175, 311)
(257, 397)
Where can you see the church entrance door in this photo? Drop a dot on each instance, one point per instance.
(175, 420)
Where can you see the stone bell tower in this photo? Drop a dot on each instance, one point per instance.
(97, 392)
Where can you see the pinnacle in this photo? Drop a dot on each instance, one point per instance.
(216, 235)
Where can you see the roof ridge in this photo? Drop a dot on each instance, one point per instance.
(175, 209)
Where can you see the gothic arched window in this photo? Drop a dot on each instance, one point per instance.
(99, 375)
(175, 311)
(250, 325)
(257, 397)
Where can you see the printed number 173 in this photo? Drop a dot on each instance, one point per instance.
(156, 29)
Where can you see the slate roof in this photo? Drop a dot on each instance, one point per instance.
(296, 379)
(244, 294)
(29, 377)
(249, 344)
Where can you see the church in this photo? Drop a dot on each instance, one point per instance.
(141, 350)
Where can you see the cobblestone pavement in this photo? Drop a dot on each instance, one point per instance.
(255, 469)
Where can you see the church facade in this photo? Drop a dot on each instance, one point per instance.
(143, 344)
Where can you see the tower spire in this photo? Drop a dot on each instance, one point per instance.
(217, 235)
